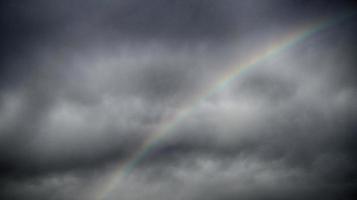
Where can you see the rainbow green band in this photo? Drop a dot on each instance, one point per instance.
(225, 79)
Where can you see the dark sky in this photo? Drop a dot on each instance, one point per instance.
(84, 83)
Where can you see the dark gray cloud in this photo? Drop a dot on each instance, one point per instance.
(84, 83)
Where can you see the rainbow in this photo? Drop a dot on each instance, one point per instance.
(166, 126)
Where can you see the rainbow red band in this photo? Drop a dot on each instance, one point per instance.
(225, 79)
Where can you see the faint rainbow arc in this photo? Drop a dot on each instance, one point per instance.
(166, 126)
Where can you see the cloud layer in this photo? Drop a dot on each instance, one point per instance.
(83, 84)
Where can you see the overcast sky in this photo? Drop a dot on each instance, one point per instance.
(84, 83)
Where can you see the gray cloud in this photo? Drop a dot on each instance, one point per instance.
(84, 84)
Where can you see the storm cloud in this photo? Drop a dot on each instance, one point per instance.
(83, 84)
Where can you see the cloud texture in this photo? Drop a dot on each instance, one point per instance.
(84, 83)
